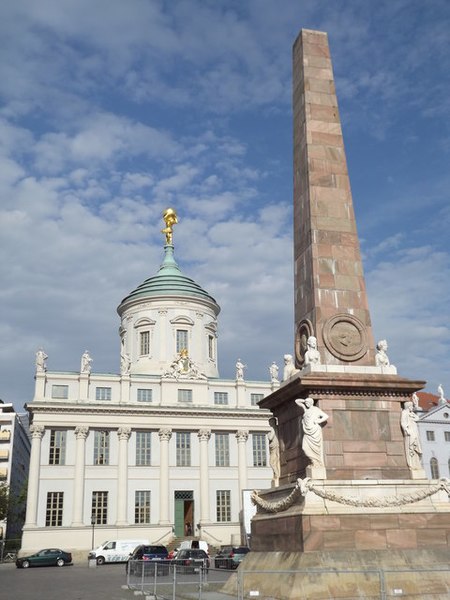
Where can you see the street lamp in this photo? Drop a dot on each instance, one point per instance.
(93, 528)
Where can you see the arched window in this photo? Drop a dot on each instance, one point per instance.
(434, 468)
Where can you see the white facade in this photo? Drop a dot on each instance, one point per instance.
(14, 462)
(434, 429)
(161, 450)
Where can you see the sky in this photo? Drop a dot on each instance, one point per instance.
(113, 110)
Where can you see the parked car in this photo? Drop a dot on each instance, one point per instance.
(49, 557)
(191, 561)
(173, 553)
(229, 557)
(147, 553)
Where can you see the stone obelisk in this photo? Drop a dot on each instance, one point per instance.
(330, 294)
(352, 491)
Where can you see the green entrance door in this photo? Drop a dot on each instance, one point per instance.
(184, 513)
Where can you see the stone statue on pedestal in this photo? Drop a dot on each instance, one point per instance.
(381, 357)
(413, 448)
(289, 367)
(274, 450)
(312, 444)
(312, 355)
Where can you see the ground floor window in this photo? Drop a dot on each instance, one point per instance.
(54, 512)
(100, 507)
(142, 506)
(223, 506)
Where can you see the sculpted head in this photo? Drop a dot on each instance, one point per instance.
(287, 359)
(312, 342)
(382, 345)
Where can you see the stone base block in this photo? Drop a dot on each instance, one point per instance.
(369, 574)
(353, 515)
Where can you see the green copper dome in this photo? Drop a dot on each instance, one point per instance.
(169, 281)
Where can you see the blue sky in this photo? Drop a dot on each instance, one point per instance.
(110, 111)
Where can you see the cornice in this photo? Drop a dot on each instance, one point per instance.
(128, 410)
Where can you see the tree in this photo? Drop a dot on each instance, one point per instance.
(4, 501)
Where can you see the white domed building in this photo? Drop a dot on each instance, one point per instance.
(161, 450)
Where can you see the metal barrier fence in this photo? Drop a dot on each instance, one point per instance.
(169, 579)
(337, 584)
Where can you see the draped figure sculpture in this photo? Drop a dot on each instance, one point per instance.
(413, 448)
(312, 444)
(274, 450)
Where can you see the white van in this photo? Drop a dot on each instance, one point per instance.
(194, 544)
(114, 551)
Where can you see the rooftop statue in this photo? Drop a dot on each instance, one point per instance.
(170, 218)
(86, 362)
(273, 370)
(240, 369)
(41, 361)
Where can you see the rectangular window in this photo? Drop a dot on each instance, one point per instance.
(101, 448)
(259, 450)
(103, 393)
(183, 449)
(100, 508)
(447, 436)
(54, 510)
(143, 448)
(182, 340)
(184, 395)
(60, 392)
(222, 449)
(144, 395)
(142, 506)
(430, 436)
(144, 343)
(57, 454)
(211, 352)
(255, 398)
(223, 506)
(220, 397)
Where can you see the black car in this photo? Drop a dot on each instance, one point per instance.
(49, 557)
(143, 557)
(191, 561)
(229, 557)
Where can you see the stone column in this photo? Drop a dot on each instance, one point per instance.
(81, 433)
(242, 437)
(204, 436)
(122, 475)
(164, 436)
(37, 431)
